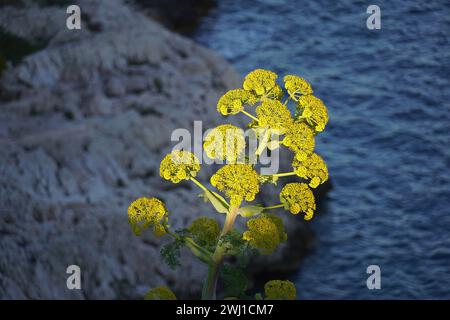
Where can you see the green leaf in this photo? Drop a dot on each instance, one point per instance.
(235, 281)
(250, 211)
(220, 198)
(202, 253)
(217, 201)
(171, 253)
(234, 244)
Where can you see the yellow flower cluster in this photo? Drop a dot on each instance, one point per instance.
(280, 290)
(225, 142)
(297, 197)
(179, 165)
(276, 93)
(314, 111)
(274, 115)
(313, 168)
(205, 231)
(300, 139)
(234, 101)
(297, 86)
(262, 82)
(237, 181)
(265, 233)
(147, 212)
(160, 293)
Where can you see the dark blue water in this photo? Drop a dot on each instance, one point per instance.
(388, 141)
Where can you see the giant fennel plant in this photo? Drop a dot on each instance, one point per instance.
(237, 182)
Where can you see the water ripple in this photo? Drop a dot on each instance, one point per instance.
(388, 141)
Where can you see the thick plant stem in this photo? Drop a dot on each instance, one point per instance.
(209, 287)
(229, 220)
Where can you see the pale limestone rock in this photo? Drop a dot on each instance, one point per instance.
(83, 127)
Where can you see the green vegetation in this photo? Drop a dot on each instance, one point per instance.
(13, 48)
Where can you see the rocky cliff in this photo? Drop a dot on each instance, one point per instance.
(84, 123)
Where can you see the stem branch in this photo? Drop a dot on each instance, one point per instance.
(286, 174)
(274, 207)
(249, 115)
(199, 184)
(196, 249)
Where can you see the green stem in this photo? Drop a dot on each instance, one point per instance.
(206, 190)
(196, 249)
(274, 207)
(287, 100)
(229, 220)
(199, 184)
(286, 174)
(249, 115)
(209, 287)
(173, 234)
(293, 95)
